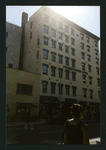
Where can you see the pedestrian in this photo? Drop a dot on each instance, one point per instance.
(75, 131)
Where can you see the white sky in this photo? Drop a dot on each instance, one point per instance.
(87, 17)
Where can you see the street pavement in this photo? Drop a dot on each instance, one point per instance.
(40, 132)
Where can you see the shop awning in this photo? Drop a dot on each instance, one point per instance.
(26, 105)
(49, 99)
(71, 101)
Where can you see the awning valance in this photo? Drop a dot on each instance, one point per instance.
(49, 99)
(26, 105)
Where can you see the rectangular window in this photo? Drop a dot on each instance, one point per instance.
(89, 68)
(84, 78)
(53, 88)
(67, 61)
(73, 51)
(97, 69)
(37, 54)
(60, 59)
(72, 31)
(96, 52)
(82, 36)
(84, 92)
(87, 39)
(91, 93)
(88, 48)
(72, 41)
(46, 41)
(60, 72)
(53, 44)
(53, 22)
(89, 57)
(45, 54)
(45, 69)
(53, 70)
(60, 88)
(38, 41)
(46, 18)
(60, 46)
(99, 94)
(46, 29)
(53, 32)
(53, 56)
(24, 89)
(10, 65)
(60, 35)
(73, 76)
(66, 28)
(82, 45)
(60, 25)
(98, 81)
(97, 61)
(95, 44)
(73, 63)
(66, 49)
(6, 34)
(83, 55)
(66, 38)
(83, 66)
(67, 74)
(74, 90)
(90, 80)
(31, 25)
(44, 86)
(67, 89)
(30, 35)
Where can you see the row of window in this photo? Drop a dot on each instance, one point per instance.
(46, 30)
(67, 72)
(53, 55)
(46, 18)
(67, 89)
(24, 89)
(45, 66)
(53, 42)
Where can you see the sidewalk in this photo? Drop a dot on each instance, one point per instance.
(39, 121)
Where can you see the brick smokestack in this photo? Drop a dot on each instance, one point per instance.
(24, 21)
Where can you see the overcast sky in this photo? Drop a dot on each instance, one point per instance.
(87, 17)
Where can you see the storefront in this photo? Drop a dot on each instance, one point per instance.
(91, 111)
(49, 107)
(23, 111)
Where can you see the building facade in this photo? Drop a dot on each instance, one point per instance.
(22, 94)
(66, 57)
(13, 40)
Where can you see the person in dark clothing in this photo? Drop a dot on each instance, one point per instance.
(76, 132)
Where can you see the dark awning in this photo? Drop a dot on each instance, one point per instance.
(49, 99)
(26, 104)
(71, 101)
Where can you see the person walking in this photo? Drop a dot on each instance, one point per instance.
(75, 131)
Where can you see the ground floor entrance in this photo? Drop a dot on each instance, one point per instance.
(23, 111)
(49, 107)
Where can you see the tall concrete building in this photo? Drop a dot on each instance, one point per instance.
(13, 41)
(67, 58)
